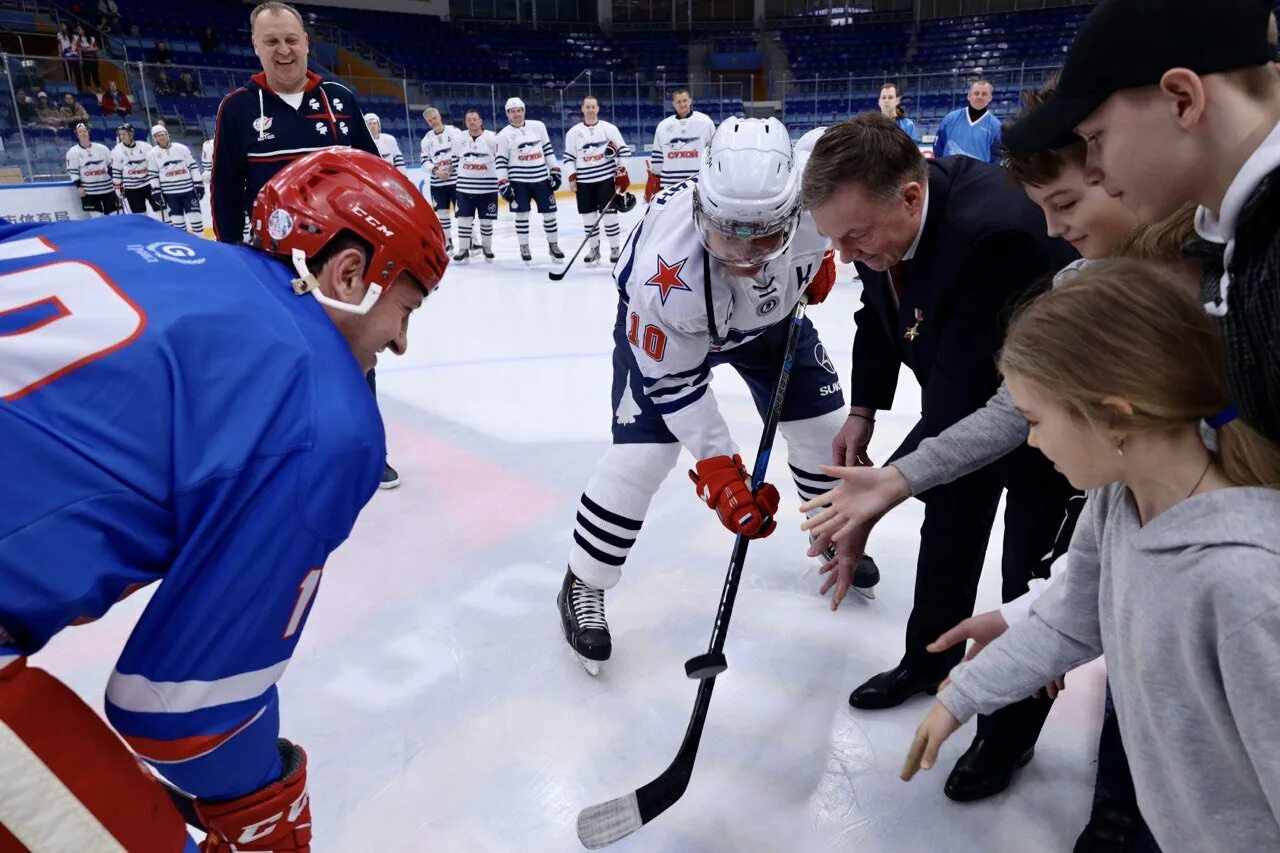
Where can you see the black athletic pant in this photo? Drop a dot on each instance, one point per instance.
(953, 543)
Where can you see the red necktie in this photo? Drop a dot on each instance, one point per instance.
(897, 274)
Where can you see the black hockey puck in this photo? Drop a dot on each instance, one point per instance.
(708, 665)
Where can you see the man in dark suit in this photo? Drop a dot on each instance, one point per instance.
(944, 248)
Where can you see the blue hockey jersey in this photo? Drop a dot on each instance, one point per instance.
(170, 411)
(977, 139)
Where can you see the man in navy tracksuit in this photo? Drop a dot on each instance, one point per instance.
(281, 114)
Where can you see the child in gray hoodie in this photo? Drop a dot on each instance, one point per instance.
(1174, 570)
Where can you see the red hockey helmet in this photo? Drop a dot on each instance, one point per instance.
(315, 198)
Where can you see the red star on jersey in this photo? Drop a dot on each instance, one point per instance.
(668, 278)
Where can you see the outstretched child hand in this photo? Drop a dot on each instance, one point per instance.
(936, 728)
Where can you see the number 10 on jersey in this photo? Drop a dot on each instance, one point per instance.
(655, 340)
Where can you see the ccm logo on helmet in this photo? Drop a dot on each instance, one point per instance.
(382, 229)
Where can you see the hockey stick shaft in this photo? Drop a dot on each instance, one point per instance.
(557, 276)
(605, 823)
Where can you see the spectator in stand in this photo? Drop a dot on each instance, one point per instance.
(134, 32)
(115, 102)
(105, 25)
(186, 85)
(47, 113)
(26, 107)
(891, 107)
(87, 46)
(209, 42)
(73, 111)
(163, 85)
(972, 131)
(110, 11)
(162, 55)
(68, 50)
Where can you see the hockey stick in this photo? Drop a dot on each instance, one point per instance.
(557, 276)
(185, 805)
(605, 823)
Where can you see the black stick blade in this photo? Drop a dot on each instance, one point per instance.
(603, 824)
(558, 276)
(707, 665)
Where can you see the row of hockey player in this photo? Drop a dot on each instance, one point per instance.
(469, 169)
(162, 175)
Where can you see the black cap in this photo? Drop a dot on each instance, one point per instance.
(1127, 44)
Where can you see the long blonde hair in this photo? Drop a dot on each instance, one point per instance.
(1134, 331)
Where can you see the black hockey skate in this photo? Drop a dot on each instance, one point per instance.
(865, 576)
(554, 249)
(592, 257)
(615, 252)
(448, 245)
(488, 254)
(525, 254)
(461, 257)
(582, 620)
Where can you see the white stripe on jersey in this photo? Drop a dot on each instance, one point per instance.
(525, 154)
(594, 151)
(477, 163)
(130, 164)
(91, 167)
(389, 150)
(441, 149)
(174, 168)
(677, 146)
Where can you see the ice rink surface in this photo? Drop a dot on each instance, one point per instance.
(440, 706)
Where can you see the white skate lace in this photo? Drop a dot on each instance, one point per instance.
(588, 606)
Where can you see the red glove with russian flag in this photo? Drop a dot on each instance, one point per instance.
(722, 484)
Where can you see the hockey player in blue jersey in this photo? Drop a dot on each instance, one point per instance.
(191, 413)
(710, 276)
(972, 131)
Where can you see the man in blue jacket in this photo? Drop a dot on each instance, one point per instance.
(972, 131)
(281, 114)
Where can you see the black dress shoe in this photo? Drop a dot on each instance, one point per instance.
(983, 771)
(1112, 828)
(892, 688)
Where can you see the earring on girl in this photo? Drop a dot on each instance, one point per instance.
(1120, 446)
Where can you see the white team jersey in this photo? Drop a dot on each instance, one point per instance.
(477, 159)
(174, 168)
(525, 154)
(439, 150)
(206, 159)
(91, 167)
(593, 151)
(677, 146)
(660, 277)
(389, 150)
(130, 165)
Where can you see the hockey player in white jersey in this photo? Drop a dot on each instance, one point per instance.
(593, 152)
(388, 145)
(89, 166)
(440, 162)
(131, 172)
(710, 276)
(476, 164)
(175, 177)
(678, 143)
(528, 173)
(206, 161)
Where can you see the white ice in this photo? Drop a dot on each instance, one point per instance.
(440, 706)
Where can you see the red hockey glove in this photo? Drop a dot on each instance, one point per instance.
(825, 279)
(722, 484)
(573, 182)
(277, 817)
(622, 180)
(652, 187)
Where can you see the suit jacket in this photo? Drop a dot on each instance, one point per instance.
(984, 246)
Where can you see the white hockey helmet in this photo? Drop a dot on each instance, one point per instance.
(514, 104)
(746, 202)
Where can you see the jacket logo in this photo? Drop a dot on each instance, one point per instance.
(321, 129)
(337, 105)
(315, 105)
(342, 126)
(262, 123)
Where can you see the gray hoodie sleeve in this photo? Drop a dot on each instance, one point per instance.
(1061, 633)
(1247, 659)
(976, 441)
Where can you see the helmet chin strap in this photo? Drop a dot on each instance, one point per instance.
(307, 283)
